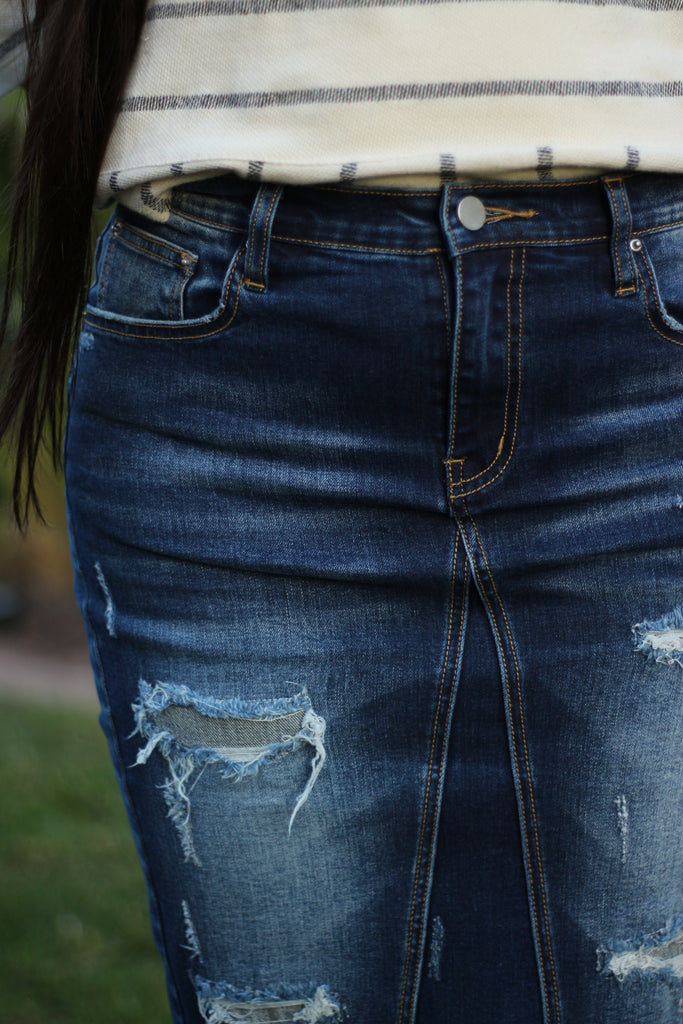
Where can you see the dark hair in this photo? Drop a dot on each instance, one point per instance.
(79, 54)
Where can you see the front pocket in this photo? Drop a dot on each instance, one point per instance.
(141, 276)
(659, 262)
(180, 280)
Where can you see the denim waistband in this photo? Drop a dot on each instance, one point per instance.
(620, 207)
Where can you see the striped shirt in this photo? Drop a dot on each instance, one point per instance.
(319, 91)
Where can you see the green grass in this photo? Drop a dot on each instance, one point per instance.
(75, 939)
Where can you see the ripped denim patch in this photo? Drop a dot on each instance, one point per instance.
(240, 737)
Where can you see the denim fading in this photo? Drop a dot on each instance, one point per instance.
(377, 528)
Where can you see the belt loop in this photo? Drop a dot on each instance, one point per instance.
(622, 259)
(258, 241)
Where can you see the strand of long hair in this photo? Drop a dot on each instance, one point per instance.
(79, 56)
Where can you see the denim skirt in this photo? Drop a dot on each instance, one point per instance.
(376, 505)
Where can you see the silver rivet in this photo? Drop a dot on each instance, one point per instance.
(636, 245)
(186, 260)
(471, 213)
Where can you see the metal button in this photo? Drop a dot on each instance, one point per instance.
(471, 213)
(636, 245)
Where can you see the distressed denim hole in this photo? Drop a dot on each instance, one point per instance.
(220, 1003)
(238, 737)
(646, 957)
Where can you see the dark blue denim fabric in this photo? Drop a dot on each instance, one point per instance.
(377, 526)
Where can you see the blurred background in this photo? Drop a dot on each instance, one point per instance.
(75, 941)
(38, 615)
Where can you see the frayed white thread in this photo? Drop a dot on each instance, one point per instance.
(313, 731)
(436, 949)
(181, 768)
(317, 1008)
(662, 640)
(666, 642)
(154, 741)
(622, 824)
(109, 604)
(178, 803)
(193, 947)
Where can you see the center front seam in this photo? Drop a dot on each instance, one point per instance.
(424, 861)
(519, 751)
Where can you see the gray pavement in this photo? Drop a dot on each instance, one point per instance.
(43, 650)
(45, 677)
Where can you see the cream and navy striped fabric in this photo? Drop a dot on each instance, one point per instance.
(309, 91)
